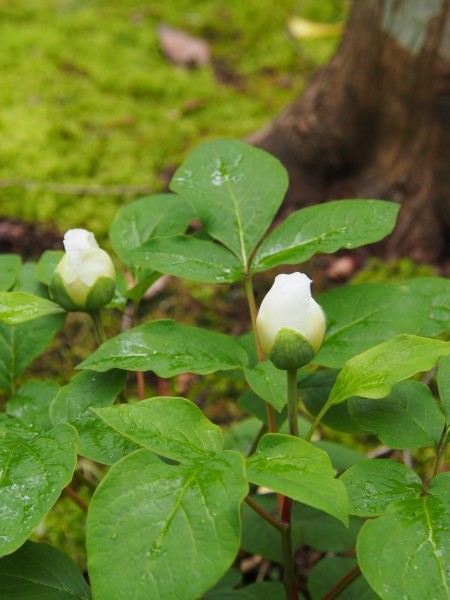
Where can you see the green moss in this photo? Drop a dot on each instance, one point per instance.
(379, 271)
(89, 99)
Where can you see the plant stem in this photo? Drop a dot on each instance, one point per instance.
(316, 422)
(440, 451)
(262, 512)
(290, 584)
(261, 432)
(140, 385)
(252, 309)
(98, 327)
(100, 336)
(76, 498)
(343, 584)
(84, 481)
(292, 401)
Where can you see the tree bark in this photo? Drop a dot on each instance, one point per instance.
(375, 122)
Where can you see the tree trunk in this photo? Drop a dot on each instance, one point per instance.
(375, 122)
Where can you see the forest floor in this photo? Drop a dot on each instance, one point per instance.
(99, 104)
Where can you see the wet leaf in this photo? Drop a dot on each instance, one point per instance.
(269, 383)
(182, 533)
(172, 427)
(295, 468)
(19, 307)
(190, 258)
(21, 344)
(30, 406)
(361, 316)
(147, 218)
(41, 572)
(47, 264)
(325, 228)
(373, 484)
(443, 380)
(235, 189)
(168, 348)
(437, 290)
(315, 389)
(34, 472)
(373, 373)
(9, 270)
(322, 532)
(76, 403)
(408, 418)
(405, 553)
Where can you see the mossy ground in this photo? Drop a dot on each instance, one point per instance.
(88, 98)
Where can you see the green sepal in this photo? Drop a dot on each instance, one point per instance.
(290, 350)
(100, 294)
(58, 293)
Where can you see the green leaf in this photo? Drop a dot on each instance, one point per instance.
(315, 389)
(252, 404)
(147, 218)
(437, 290)
(269, 383)
(295, 468)
(190, 258)
(231, 579)
(361, 316)
(172, 427)
(235, 189)
(373, 373)
(408, 418)
(179, 524)
(329, 571)
(405, 553)
(241, 435)
(41, 572)
(168, 348)
(27, 282)
(47, 264)
(144, 279)
(34, 472)
(443, 380)
(326, 228)
(341, 457)
(30, 405)
(373, 484)
(76, 403)
(266, 590)
(18, 307)
(320, 531)
(21, 344)
(9, 270)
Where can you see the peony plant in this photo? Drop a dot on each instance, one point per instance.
(175, 502)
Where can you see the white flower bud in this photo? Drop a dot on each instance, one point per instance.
(85, 278)
(290, 323)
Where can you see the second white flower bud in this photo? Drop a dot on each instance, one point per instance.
(290, 324)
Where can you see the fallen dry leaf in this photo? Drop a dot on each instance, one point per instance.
(183, 49)
(302, 28)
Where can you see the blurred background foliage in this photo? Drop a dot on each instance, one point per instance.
(94, 114)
